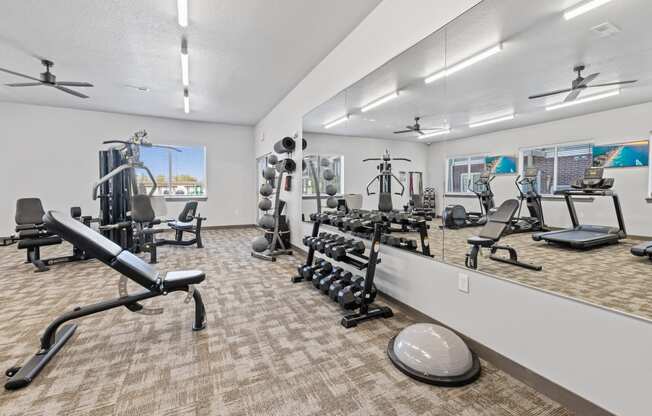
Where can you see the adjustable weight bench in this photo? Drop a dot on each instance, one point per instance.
(123, 261)
(496, 226)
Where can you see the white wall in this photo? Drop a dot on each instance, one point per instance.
(52, 153)
(357, 173)
(378, 38)
(614, 126)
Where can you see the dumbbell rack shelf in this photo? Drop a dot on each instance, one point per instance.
(366, 311)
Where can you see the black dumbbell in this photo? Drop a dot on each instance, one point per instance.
(323, 271)
(328, 249)
(316, 281)
(321, 246)
(308, 271)
(308, 239)
(322, 240)
(341, 283)
(340, 252)
(350, 297)
(326, 282)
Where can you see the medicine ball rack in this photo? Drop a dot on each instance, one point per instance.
(366, 311)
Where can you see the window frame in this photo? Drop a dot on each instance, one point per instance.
(319, 157)
(556, 146)
(468, 158)
(174, 197)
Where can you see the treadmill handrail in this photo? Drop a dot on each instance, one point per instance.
(586, 192)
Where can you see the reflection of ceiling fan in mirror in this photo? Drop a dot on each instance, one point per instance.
(48, 79)
(579, 84)
(417, 128)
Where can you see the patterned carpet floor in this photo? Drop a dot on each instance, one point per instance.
(270, 348)
(609, 276)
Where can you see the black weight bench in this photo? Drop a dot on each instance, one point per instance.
(496, 226)
(123, 261)
(642, 249)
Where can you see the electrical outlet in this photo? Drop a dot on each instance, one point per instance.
(463, 283)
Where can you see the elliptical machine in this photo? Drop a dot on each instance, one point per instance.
(526, 186)
(456, 216)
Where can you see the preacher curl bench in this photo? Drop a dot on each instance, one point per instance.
(123, 261)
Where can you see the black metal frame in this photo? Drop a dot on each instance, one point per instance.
(568, 197)
(54, 339)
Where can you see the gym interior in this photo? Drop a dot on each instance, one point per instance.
(375, 207)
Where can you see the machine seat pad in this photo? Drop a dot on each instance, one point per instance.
(179, 225)
(81, 236)
(39, 242)
(643, 249)
(182, 278)
(481, 241)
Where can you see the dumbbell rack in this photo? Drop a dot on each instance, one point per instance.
(365, 311)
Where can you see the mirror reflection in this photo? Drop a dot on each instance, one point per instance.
(527, 135)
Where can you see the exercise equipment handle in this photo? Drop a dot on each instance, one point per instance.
(371, 158)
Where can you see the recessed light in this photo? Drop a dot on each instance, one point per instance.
(336, 122)
(381, 100)
(583, 8)
(434, 134)
(586, 99)
(492, 121)
(464, 64)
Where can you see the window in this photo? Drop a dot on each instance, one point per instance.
(558, 165)
(177, 173)
(320, 163)
(463, 172)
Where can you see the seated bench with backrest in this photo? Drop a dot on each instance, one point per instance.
(123, 261)
(32, 235)
(496, 226)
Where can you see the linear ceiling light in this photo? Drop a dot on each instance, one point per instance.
(465, 63)
(379, 101)
(583, 8)
(437, 133)
(492, 121)
(186, 101)
(184, 62)
(336, 122)
(586, 99)
(182, 10)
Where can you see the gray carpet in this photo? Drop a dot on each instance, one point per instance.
(271, 347)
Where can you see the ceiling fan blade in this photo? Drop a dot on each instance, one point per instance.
(531, 97)
(606, 84)
(587, 79)
(572, 96)
(75, 84)
(69, 91)
(421, 133)
(403, 131)
(24, 84)
(18, 74)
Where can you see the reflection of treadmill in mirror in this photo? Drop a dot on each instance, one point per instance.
(581, 235)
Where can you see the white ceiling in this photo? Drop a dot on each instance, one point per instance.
(540, 49)
(245, 55)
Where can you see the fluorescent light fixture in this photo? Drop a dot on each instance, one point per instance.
(583, 8)
(182, 10)
(492, 121)
(184, 63)
(465, 63)
(434, 134)
(379, 101)
(586, 99)
(186, 101)
(336, 122)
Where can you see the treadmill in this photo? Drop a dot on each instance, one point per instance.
(584, 236)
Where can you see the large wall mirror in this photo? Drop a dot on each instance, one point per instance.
(527, 147)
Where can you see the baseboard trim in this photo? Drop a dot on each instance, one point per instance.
(563, 396)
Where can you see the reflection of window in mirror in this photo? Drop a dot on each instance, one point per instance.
(463, 173)
(558, 165)
(320, 163)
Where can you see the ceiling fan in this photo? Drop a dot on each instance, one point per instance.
(49, 80)
(416, 128)
(580, 83)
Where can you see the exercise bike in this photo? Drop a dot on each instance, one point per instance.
(456, 216)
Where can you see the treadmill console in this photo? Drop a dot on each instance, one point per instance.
(531, 172)
(593, 179)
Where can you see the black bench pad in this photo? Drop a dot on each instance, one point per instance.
(39, 242)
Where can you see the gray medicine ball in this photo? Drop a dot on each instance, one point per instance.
(331, 189)
(267, 221)
(331, 202)
(265, 204)
(266, 189)
(328, 174)
(259, 244)
(272, 159)
(269, 173)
